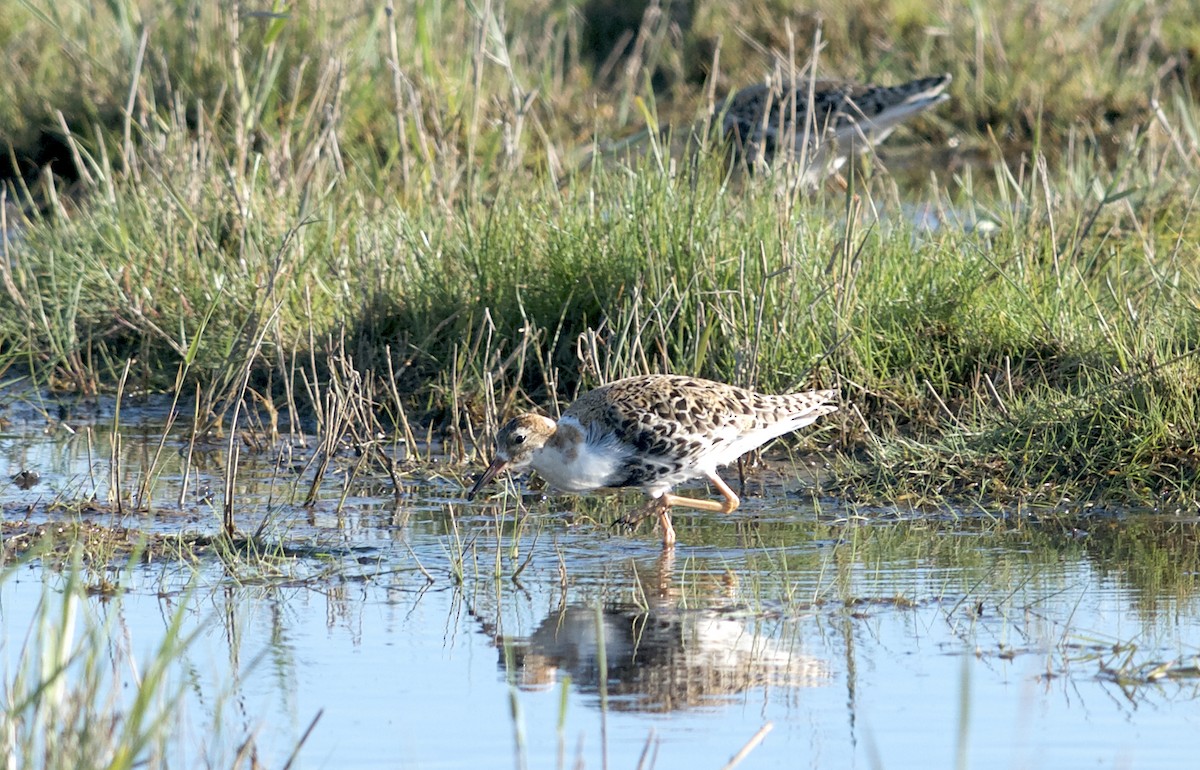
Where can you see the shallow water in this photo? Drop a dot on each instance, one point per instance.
(441, 634)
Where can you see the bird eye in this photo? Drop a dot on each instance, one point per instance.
(518, 438)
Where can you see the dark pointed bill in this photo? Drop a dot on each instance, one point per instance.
(496, 466)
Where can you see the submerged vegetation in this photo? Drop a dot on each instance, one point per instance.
(403, 201)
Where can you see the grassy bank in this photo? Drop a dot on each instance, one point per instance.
(240, 198)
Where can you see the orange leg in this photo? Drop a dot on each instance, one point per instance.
(728, 506)
(838, 183)
(662, 506)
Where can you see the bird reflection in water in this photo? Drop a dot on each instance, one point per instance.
(661, 657)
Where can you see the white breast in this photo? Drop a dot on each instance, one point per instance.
(580, 467)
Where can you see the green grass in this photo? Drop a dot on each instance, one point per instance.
(276, 195)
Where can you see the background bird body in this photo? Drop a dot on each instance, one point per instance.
(821, 123)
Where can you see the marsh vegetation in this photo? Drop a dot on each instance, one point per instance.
(236, 199)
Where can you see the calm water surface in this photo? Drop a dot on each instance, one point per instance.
(439, 634)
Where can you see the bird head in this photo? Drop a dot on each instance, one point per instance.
(516, 444)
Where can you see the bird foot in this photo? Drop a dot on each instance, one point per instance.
(630, 522)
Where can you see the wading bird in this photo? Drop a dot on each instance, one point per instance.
(652, 432)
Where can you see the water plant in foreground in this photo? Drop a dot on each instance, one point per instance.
(76, 694)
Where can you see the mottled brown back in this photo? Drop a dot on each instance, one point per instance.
(674, 422)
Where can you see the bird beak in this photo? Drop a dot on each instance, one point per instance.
(496, 466)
